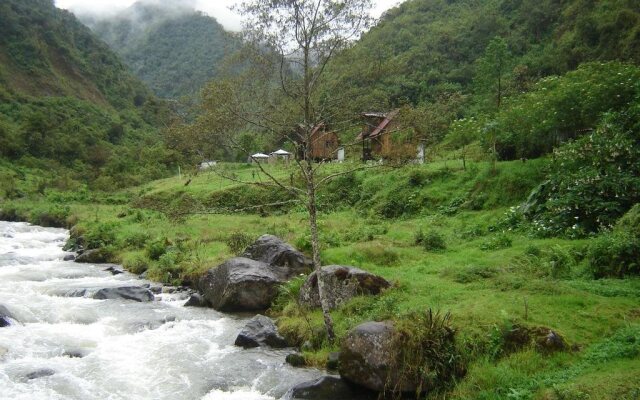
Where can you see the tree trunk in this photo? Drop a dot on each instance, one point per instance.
(315, 246)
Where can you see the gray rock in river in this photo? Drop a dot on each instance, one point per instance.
(368, 358)
(241, 284)
(273, 250)
(341, 283)
(325, 388)
(260, 331)
(114, 269)
(41, 373)
(69, 257)
(135, 293)
(196, 300)
(5, 317)
(93, 256)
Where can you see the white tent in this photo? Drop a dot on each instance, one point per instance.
(259, 156)
(281, 153)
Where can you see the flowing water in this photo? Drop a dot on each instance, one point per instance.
(64, 347)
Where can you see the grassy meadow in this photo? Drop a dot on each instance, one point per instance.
(448, 239)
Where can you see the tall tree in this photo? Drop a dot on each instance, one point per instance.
(306, 35)
(492, 74)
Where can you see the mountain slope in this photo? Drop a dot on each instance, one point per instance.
(68, 104)
(173, 48)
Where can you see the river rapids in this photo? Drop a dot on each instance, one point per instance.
(64, 347)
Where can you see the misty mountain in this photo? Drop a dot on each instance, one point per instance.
(169, 45)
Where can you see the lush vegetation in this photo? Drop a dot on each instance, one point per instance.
(69, 109)
(172, 48)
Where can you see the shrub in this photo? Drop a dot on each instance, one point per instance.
(156, 248)
(378, 254)
(614, 255)
(238, 241)
(136, 265)
(137, 239)
(100, 235)
(431, 241)
(428, 352)
(497, 242)
(54, 216)
(630, 222)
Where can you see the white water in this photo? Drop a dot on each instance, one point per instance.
(129, 350)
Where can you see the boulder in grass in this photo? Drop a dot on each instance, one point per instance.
(135, 293)
(94, 256)
(368, 356)
(341, 283)
(260, 331)
(274, 251)
(241, 284)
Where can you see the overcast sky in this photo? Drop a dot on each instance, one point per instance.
(215, 8)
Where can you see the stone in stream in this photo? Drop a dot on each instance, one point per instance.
(93, 256)
(114, 269)
(241, 284)
(196, 300)
(341, 283)
(272, 250)
(260, 331)
(41, 373)
(295, 360)
(135, 293)
(69, 257)
(368, 355)
(5, 317)
(328, 387)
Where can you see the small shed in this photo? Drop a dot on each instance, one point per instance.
(258, 157)
(376, 134)
(324, 144)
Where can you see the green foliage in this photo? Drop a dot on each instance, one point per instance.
(428, 353)
(377, 253)
(491, 74)
(593, 181)
(614, 255)
(630, 222)
(101, 235)
(156, 248)
(431, 241)
(238, 241)
(136, 264)
(497, 242)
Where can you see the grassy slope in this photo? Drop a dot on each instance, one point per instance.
(484, 290)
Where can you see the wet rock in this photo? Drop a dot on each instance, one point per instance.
(41, 373)
(69, 257)
(325, 388)
(144, 275)
(368, 356)
(333, 360)
(196, 300)
(5, 317)
(93, 256)
(114, 269)
(260, 331)
(155, 289)
(134, 293)
(241, 284)
(341, 283)
(73, 354)
(273, 250)
(295, 360)
(75, 293)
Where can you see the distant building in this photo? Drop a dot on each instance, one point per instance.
(323, 144)
(383, 137)
(206, 165)
(258, 157)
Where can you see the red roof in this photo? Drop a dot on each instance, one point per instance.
(380, 129)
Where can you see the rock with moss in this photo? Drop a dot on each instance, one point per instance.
(94, 256)
(341, 283)
(368, 356)
(241, 284)
(327, 387)
(274, 251)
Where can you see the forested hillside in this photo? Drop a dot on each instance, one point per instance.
(69, 107)
(426, 50)
(171, 47)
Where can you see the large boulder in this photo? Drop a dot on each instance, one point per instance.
(273, 250)
(134, 293)
(368, 358)
(94, 256)
(327, 387)
(5, 317)
(341, 283)
(196, 300)
(241, 284)
(260, 331)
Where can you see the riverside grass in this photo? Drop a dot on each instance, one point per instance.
(483, 287)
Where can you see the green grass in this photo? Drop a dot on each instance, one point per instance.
(530, 281)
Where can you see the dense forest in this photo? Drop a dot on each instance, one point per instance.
(171, 47)
(69, 106)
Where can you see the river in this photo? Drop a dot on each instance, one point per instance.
(62, 347)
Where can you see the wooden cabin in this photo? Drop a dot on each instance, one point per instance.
(323, 144)
(383, 137)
